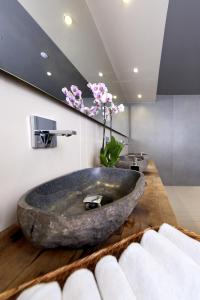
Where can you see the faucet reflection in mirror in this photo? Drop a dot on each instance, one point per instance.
(103, 101)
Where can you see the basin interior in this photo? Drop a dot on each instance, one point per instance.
(64, 195)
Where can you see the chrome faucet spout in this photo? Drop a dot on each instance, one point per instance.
(66, 133)
(47, 135)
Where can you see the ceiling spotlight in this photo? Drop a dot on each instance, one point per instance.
(114, 97)
(68, 20)
(126, 1)
(135, 70)
(139, 96)
(49, 73)
(100, 74)
(44, 55)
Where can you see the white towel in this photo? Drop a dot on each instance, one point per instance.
(112, 282)
(182, 269)
(26, 294)
(147, 278)
(81, 285)
(188, 245)
(50, 291)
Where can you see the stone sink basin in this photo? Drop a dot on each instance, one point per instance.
(126, 161)
(53, 214)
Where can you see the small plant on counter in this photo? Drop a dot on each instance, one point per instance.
(109, 155)
(103, 101)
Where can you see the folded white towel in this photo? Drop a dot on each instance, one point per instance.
(50, 291)
(147, 278)
(81, 285)
(188, 245)
(182, 269)
(112, 282)
(26, 294)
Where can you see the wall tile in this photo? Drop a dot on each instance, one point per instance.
(169, 131)
(186, 145)
(151, 127)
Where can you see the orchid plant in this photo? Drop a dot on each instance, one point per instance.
(103, 101)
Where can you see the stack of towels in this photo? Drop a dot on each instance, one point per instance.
(164, 266)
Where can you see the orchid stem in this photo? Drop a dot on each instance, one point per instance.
(110, 125)
(104, 125)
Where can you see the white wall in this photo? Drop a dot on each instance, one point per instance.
(22, 167)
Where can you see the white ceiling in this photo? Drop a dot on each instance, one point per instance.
(133, 36)
(111, 37)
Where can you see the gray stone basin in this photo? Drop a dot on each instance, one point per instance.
(126, 161)
(53, 214)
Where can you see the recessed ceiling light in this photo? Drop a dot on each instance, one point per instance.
(126, 1)
(114, 97)
(49, 73)
(135, 70)
(139, 96)
(44, 54)
(68, 20)
(100, 74)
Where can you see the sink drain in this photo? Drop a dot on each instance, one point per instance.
(94, 201)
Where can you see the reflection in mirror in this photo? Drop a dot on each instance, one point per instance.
(53, 49)
(103, 102)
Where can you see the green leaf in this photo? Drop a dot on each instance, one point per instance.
(109, 156)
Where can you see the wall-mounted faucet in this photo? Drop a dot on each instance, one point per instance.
(47, 135)
(44, 132)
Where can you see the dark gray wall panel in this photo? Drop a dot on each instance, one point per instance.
(169, 130)
(152, 133)
(180, 63)
(186, 142)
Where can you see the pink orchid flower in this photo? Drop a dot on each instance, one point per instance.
(101, 99)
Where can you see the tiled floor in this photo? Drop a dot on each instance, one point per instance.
(185, 202)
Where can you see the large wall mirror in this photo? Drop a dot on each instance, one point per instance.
(55, 44)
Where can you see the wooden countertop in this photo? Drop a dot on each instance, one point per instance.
(21, 262)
